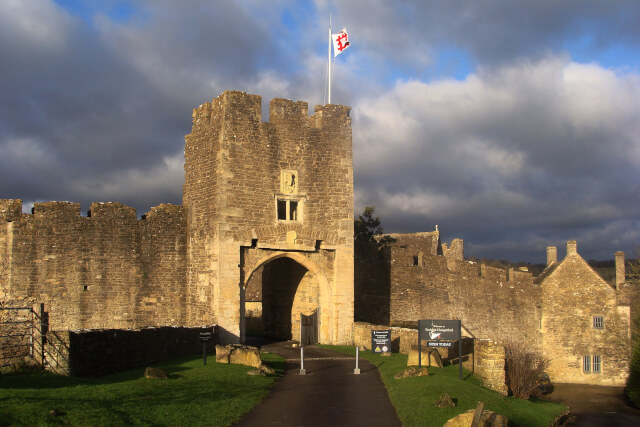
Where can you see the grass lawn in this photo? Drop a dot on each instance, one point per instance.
(194, 394)
(413, 398)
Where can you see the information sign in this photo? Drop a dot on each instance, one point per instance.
(430, 329)
(440, 333)
(381, 341)
(206, 336)
(440, 344)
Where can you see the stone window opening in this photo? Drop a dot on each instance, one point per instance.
(417, 259)
(288, 210)
(592, 364)
(598, 322)
(596, 364)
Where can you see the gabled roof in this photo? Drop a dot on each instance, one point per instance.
(547, 272)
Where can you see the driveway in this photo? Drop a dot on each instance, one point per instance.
(596, 405)
(328, 395)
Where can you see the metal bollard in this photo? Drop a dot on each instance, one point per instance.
(357, 370)
(302, 370)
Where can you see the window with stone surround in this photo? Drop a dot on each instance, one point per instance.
(288, 210)
(592, 364)
(598, 322)
(595, 364)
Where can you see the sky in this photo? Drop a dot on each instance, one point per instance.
(514, 125)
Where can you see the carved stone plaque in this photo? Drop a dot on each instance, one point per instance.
(289, 182)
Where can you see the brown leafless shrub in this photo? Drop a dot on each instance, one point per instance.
(523, 370)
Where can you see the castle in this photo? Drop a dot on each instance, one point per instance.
(265, 231)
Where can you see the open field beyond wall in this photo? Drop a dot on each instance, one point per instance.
(413, 398)
(212, 395)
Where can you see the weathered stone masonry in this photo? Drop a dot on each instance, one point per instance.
(236, 166)
(554, 314)
(106, 270)
(255, 193)
(266, 226)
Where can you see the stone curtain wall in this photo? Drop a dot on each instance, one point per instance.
(234, 163)
(491, 302)
(104, 270)
(100, 352)
(489, 364)
(162, 299)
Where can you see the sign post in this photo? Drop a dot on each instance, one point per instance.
(205, 337)
(440, 333)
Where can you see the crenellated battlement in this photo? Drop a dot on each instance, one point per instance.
(286, 111)
(111, 210)
(55, 209)
(10, 209)
(239, 107)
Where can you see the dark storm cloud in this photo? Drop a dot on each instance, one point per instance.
(536, 146)
(86, 104)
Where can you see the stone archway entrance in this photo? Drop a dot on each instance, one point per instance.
(276, 294)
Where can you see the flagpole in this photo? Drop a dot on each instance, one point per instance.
(329, 58)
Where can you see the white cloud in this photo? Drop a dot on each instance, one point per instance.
(37, 24)
(530, 144)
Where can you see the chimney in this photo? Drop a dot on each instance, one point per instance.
(552, 255)
(572, 247)
(620, 273)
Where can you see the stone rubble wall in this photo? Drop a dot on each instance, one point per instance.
(105, 270)
(489, 364)
(491, 302)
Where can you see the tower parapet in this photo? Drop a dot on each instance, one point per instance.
(10, 209)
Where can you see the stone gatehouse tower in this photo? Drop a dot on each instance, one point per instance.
(267, 206)
(270, 207)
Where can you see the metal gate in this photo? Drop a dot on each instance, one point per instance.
(309, 328)
(22, 331)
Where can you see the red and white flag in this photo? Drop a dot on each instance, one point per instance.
(340, 42)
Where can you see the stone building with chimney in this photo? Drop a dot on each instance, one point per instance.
(569, 314)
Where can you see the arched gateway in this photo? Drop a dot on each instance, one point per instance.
(270, 217)
(281, 288)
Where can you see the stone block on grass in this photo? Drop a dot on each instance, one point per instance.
(488, 419)
(412, 372)
(238, 354)
(152, 372)
(430, 357)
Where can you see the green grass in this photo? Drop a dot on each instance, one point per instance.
(194, 394)
(413, 398)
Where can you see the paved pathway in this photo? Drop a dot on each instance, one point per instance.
(595, 406)
(328, 395)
